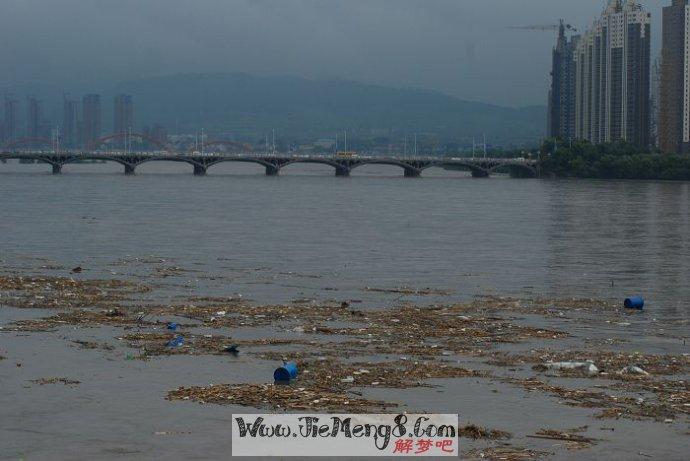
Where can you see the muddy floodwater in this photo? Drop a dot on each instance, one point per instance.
(442, 294)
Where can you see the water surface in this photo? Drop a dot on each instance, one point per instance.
(308, 233)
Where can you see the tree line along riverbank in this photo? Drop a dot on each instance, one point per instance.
(611, 161)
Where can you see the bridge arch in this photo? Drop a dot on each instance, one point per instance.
(257, 160)
(410, 169)
(320, 161)
(476, 170)
(382, 161)
(342, 168)
(77, 159)
(272, 167)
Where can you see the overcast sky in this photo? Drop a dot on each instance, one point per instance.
(460, 47)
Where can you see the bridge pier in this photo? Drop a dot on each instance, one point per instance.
(57, 168)
(272, 170)
(342, 172)
(129, 169)
(199, 170)
(412, 173)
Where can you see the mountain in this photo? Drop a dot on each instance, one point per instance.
(249, 106)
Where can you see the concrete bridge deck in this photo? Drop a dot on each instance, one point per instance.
(343, 166)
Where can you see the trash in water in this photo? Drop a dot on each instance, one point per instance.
(586, 367)
(349, 379)
(177, 341)
(172, 326)
(77, 269)
(232, 349)
(285, 373)
(634, 302)
(633, 370)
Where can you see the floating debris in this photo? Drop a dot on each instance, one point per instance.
(277, 397)
(587, 368)
(576, 441)
(286, 372)
(342, 350)
(634, 302)
(411, 291)
(232, 349)
(177, 341)
(93, 345)
(633, 370)
(472, 431)
(65, 293)
(65, 381)
(506, 454)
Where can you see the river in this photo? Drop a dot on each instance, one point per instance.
(308, 240)
(307, 233)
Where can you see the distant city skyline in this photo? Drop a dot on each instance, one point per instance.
(601, 89)
(459, 47)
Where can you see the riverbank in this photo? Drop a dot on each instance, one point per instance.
(611, 161)
(88, 362)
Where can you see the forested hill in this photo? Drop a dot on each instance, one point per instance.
(247, 104)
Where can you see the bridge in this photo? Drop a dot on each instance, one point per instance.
(273, 163)
(102, 150)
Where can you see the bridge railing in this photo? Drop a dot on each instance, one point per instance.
(230, 155)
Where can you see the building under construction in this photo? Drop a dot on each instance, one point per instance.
(561, 112)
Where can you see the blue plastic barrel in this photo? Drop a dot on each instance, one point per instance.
(177, 341)
(285, 373)
(634, 302)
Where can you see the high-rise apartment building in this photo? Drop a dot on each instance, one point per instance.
(34, 118)
(561, 114)
(123, 116)
(70, 123)
(655, 101)
(612, 63)
(674, 115)
(10, 127)
(91, 123)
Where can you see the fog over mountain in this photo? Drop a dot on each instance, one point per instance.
(463, 48)
(247, 107)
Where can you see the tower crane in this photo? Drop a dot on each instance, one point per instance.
(545, 27)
